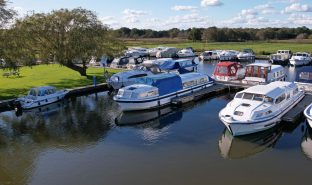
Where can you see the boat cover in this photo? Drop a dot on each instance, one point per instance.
(304, 74)
(165, 82)
(177, 64)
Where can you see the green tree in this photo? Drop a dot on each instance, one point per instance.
(195, 34)
(67, 36)
(6, 14)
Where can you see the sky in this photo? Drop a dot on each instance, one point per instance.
(183, 14)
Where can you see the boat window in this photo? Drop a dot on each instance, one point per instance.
(258, 97)
(137, 76)
(268, 99)
(247, 96)
(280, 99)
(222, 70)
(189, 84)
(295, 91)
(305, 76)
(239, 95)
(32, 92)
(152, 93)
(203, 80)
(233, 70)
(288, 96)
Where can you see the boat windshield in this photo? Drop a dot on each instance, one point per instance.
(255, 97)
(222, 70)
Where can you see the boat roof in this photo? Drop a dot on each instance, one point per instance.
(160, 76)
(226, 64)
(41, 88)
(273, 89)
(260, 64)
(130, 73)
(191, 76)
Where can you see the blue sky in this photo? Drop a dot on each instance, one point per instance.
(166, 14)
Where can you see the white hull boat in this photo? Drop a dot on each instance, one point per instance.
(308, 114)
(299, 59)
(41, 96)
(184, 53)
(159, 90)
(260, 107)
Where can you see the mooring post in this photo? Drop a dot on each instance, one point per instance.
(94, 80)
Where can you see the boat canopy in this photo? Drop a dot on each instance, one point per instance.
(165, 82)
(42, 91)
(273, 89)
(226, 69)
(304, 75)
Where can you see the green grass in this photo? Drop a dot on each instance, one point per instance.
(260, 47)
(53, 74)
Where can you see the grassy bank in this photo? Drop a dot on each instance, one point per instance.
(260, 48)
(53, 74)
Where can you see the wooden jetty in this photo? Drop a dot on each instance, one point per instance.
(296, 112)
(216, 89)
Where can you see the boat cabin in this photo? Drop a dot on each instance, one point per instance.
(120, 62)
(264, 73)
(226, 71)
(42, 91)
(304, 78)
(181, 66)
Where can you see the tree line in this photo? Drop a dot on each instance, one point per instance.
(219, 34)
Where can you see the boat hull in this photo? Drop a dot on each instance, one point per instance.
(280, 62)
(308, 115)
(299, 62)
(42, 101)
(135, 105)
(253, 126)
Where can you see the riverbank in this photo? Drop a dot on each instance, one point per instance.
(259, 47)
(53, 74)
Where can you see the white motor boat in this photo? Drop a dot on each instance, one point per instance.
(209, 55)
(153, 51)
(136, 52)
(281, 57)
(259, 107)
(308, 114)
(263, 73)
(300, 58)
(227, 55)
(169, 52)
(186, 53)
(158, 90)
(246, 55)
(40, 96)
(126, 78)
(304, 79)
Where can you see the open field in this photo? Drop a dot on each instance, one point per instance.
(260, 48)
(52, 74)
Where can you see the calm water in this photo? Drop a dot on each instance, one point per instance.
(77, 142)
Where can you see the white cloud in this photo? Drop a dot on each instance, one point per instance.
(297, 7)
(132, 16)
(265, 9)
(184, 8)
(300, 19)
(205, 3)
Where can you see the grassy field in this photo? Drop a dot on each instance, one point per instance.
(52, 74)
(260, 48)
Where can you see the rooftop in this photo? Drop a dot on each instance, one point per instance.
(272, 89)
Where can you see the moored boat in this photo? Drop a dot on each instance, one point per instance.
(260, 107)
(40, 96)
(263, 73)
(300, 58)
(281, 57)
(158, 90)
(246, 55)
(228, 71)
(209, 55)
(185, 53)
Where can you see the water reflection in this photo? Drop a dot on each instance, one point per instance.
(306, 144)
(75, 125)
(245, 146)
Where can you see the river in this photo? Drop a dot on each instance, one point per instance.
(78, 142)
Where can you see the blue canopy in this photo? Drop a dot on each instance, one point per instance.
(177, 64)
(304, 74)
(165, 82)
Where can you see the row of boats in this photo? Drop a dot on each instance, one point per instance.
(254, 109)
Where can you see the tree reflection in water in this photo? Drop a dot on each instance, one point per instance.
(77, 124)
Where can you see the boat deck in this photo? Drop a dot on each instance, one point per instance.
(296, 112)
(236, 83)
